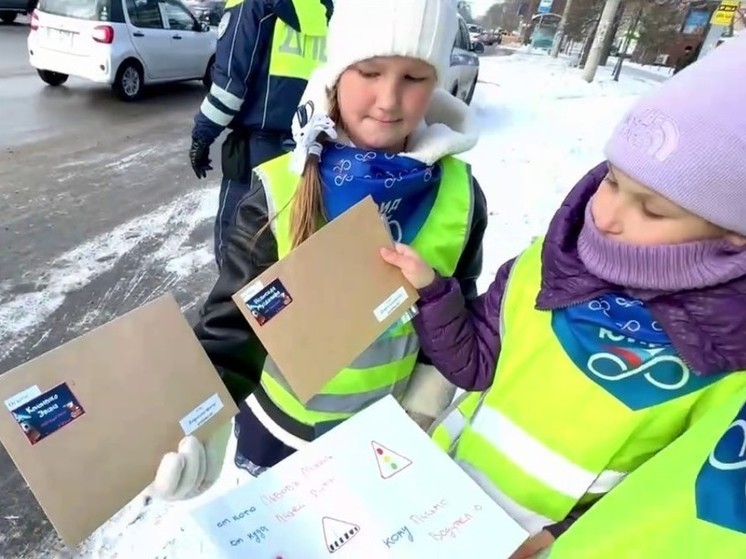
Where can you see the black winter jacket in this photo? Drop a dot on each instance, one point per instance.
(223, 331)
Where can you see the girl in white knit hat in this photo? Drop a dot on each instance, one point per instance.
(374, 122)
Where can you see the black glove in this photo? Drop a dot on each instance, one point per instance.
(199, 157)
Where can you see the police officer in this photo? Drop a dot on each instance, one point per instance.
(266, 51)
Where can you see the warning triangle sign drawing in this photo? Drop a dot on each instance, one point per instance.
(337, 532)
(389, 462)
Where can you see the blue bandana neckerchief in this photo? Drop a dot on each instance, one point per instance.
(404, 188)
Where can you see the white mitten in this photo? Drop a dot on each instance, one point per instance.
(193, 468)
(428, 394)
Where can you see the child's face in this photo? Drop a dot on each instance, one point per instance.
(382, 100)
(627, 211)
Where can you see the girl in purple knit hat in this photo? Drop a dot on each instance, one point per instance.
(608, 337)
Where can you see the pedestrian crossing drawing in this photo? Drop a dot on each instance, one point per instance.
(389, 462)
(337, 532)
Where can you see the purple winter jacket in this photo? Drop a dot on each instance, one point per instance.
(706, 326)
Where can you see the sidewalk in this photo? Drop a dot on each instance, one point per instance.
(629, 69)
(655, 73)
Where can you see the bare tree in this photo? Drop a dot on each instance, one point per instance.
(504, 15)
(582, 18)
(659, 26)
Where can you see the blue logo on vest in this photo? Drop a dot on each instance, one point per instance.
(616, 342)
(720, 489)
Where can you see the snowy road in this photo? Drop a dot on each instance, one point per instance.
(99, 213)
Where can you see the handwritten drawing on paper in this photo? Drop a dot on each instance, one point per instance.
(337, 532)
(389, 462)
(329, 500)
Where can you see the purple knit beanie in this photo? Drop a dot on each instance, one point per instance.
(687, 139)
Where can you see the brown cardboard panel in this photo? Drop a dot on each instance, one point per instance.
(329, 299)
(135, 379)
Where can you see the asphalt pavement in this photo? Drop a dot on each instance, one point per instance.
(99, 213)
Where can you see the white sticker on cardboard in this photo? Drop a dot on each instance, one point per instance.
(17, 400)
(201, 414)
(392, 302)
(252, 290)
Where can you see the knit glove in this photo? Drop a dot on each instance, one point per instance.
(428, 394)
(193, 468)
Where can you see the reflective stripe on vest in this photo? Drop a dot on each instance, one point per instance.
(545, 434)
(293, 54)
(655, 512)
(374, 360)
(384, 368)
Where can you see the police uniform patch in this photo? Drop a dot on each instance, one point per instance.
(223, 25)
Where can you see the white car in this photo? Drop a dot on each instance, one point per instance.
(125, 43)
(464, 70)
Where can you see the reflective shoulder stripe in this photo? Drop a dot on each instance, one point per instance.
(537, 460)
(232, 4)
(311, 17)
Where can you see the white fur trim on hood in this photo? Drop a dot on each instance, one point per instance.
(450, 128)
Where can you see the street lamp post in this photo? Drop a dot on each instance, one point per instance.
(625, 45)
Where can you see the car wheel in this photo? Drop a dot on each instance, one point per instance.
(470, 95)
(128, 83)
(52, 78)
(207, 79)
(8, 17)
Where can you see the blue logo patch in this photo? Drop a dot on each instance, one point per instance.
(616, 342)
(720, 489)
(47, 413)
(268, 302)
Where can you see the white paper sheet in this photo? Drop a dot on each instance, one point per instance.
(375, 486)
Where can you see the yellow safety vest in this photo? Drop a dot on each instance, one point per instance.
(385, 367)
(687, 501)
(548, 434)
(296, 54)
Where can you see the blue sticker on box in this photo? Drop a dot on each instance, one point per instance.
(268, 302)
(47, 413)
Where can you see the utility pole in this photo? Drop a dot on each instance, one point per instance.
(560, 34)
(611, 35)
(604, 26)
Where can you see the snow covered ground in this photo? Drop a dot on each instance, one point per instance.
(543, 128)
